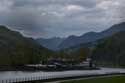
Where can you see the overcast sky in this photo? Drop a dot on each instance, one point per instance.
(60, 18)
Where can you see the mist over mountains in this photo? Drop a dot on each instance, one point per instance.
(61, 43)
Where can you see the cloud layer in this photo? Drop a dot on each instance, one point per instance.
(49, 18)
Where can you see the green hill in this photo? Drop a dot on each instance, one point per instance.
(16, 49)
(111, 52)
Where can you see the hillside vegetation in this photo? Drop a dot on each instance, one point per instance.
(111, 51)
(18, 50)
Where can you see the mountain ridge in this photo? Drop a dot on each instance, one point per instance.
(15, 49)
(88, 37)
(111, 51)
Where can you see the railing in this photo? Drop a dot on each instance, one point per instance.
(37, 78)
(50, 76)
(22, 79)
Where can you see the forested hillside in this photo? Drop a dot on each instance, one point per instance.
(111, 51)
(16, 49)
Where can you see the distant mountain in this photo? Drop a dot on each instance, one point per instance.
(56, 43)
(91, 36)
(51, 43)
(87, 38)
(77, 40)
(16, 49)
(111, 52)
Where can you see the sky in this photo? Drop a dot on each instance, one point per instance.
(60, 18)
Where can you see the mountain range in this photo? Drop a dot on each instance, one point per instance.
(62, 43)
(51, 43)
(15, 49)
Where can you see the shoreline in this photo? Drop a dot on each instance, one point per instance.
(33, 69)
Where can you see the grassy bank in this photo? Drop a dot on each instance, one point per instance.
(113, 79)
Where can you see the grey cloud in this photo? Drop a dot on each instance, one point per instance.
(48, 18)
(27, 21)
(121, 11)
(85, 3)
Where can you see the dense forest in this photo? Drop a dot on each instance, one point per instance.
(77, 55)
(16, 49)
(111, 51)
